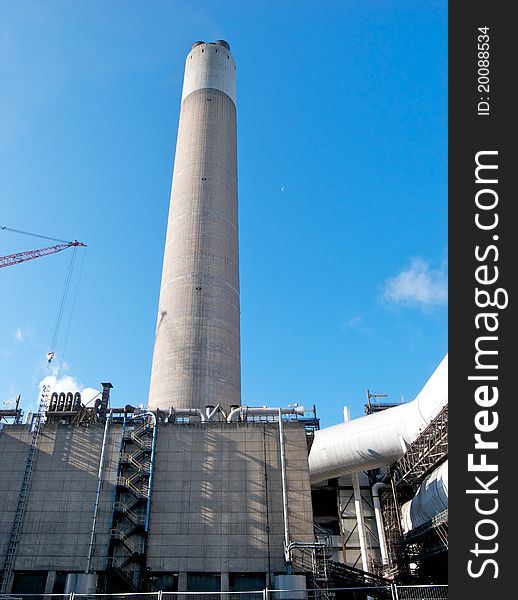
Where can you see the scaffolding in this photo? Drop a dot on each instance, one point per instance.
(11, 415)
(428, 539)
(35, 428)
(427, 452)
(325, 573)
(374, 405)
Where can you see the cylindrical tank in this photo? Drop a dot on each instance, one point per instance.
(196, 358)
(431, 499)
(81, 583)
(70, 583)
(293, 587)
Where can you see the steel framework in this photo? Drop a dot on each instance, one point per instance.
(14, 259)
(38, 419)
(426, 453)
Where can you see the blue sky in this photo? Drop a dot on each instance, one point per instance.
(342, 161)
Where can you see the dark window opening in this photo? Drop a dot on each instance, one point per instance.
(203, 582)
(29, 582)
(165, 582)
(60, 582)
(325, 502)
(246, 582)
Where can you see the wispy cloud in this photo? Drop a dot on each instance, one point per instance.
(21, 333)
(418, 285)
(358, 325)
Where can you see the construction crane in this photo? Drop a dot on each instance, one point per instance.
(14, 259)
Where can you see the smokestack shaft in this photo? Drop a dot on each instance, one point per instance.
(196, 359)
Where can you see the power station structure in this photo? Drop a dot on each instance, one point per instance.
(196, 359)
(198, 492)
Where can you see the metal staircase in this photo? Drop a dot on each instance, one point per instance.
(128, 535)
(37, 422)
(314, 559)
(327, 574)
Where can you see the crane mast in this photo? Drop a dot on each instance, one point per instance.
(14, 259)
(19, 257)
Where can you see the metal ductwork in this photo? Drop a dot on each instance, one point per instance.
(243, 411)
(379, 439)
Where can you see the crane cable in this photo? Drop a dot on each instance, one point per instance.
(43, 237)
(74, 300)
(64, 296)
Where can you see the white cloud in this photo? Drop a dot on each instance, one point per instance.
(57, 368)
(418, 285)
(21, 333)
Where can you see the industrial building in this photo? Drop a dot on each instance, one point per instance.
(198, 492)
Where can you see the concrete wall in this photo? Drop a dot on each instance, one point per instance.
(216, 500)
(210, 65)
(213, 499)
(57, 523)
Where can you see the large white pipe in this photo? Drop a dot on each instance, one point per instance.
(379, 521)
(431, 499)
(287, 553)
(379, 439)
(98, 493)
(360, 522)
(187, 412)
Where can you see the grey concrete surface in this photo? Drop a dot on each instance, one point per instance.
(217, 499)
(56, 528)
(216, 503)
(196, 358)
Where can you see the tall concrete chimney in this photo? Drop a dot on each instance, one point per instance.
(196, 358)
